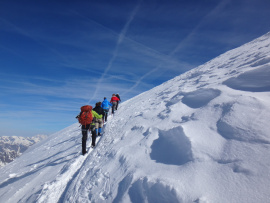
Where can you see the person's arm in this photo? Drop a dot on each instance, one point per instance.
(96, 115)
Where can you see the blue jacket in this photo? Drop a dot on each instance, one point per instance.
(106, 104)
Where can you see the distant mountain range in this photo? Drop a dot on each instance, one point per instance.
(13, 146)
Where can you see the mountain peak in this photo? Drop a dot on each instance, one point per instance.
(13, 146)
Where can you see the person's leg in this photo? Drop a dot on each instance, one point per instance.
(84, 139)
(99, 131)
(96, 127)
(100, 122)
(94, 135)
(113, 107)
(106, 114)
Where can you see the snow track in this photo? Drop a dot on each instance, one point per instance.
(54, 190)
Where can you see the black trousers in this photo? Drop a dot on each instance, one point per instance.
(106, 111)
(94, 135)
(85, 129)
(84, 140)
(113, 107)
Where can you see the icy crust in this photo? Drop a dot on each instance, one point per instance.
(200, 137)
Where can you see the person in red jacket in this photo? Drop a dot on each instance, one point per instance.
(114, 101)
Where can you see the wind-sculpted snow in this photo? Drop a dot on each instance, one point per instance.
(235, 124)
(123, 188)
(143, 190)
(200, 98)
(202, 137)
(261, 61)
(172, 147)
(257, 80)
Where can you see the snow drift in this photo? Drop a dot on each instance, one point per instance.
(200, 137)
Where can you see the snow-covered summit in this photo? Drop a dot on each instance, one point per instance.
(200, 137)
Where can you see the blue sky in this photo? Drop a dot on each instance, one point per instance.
(56, 56)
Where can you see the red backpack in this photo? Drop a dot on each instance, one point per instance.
(85, 116)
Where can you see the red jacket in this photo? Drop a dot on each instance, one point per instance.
(114, 99)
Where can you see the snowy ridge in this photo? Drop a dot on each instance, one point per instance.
(200, 137)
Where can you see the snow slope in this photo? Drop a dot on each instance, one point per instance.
(200, 137)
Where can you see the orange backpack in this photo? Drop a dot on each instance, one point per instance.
(85, 116)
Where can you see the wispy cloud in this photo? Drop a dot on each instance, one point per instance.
(179, 46)
(115, 52)
(51, 94)
(17, 29)
(204, 21)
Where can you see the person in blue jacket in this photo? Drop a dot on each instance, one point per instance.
(106, 106)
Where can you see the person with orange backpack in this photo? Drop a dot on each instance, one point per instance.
(85, 118)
